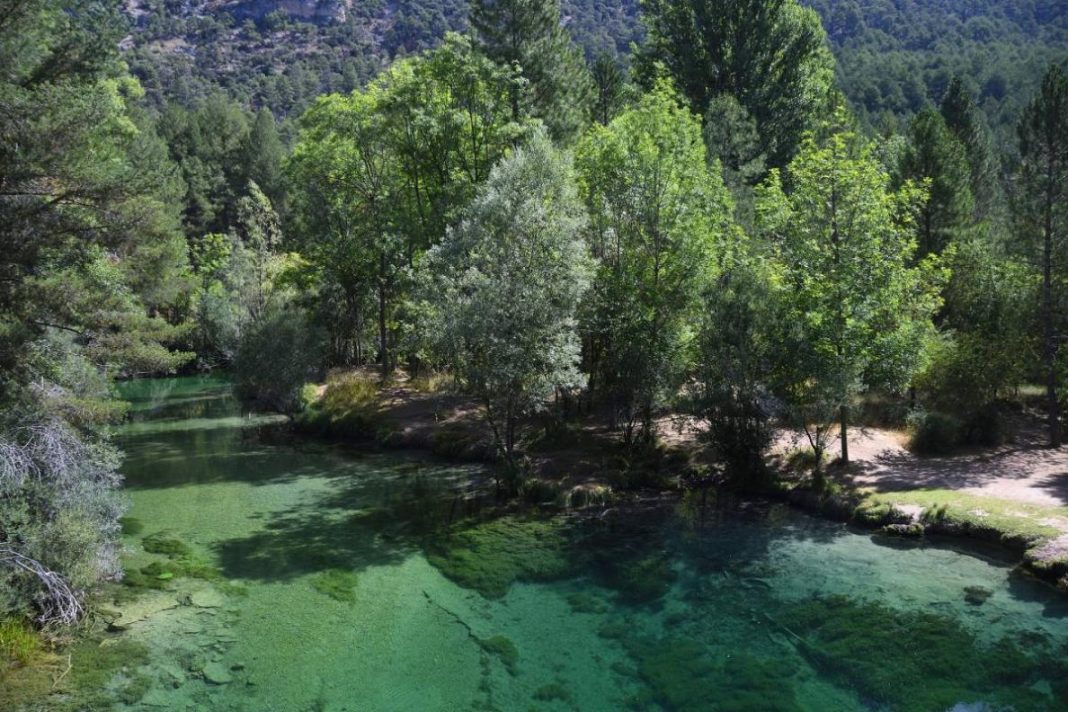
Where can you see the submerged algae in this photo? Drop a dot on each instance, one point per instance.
(915, 660)
(490, 556)
(337, 584)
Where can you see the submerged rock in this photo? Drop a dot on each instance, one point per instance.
(217, 674)
(206, 598)
(143, 607)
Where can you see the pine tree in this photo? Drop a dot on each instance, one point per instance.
(934, 154)
(1043, 133)
(528, 33)
(967, 123)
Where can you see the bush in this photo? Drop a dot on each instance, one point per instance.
(348, 408)
(59, 512)
(276, 356)
(933, 433)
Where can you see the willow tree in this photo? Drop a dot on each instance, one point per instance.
(504, 288)
(857, 309)
(659, 213)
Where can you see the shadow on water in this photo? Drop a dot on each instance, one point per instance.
(379, 518)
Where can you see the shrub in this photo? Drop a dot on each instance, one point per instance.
(933, 433)
(59, 513)
(276, 356)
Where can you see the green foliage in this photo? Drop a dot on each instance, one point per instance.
(505, 288)
(858, 313)
(337, 584)
(895, 58)
(489, 557)
(734, 367)
(383, 172)
(529, 34)
(934, 157)
(660, 218)
(987, 346)
(277, 355)
(933, 433)
(1043, 218)
(770, 55)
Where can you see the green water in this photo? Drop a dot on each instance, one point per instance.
(676, 606)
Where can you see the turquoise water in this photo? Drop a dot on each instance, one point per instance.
(671, 606)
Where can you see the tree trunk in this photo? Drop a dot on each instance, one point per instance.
(1049, 350)
(383, 337)
(843, 413)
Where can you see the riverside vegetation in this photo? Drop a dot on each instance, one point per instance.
(603, 286)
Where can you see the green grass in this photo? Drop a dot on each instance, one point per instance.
(1016, 522)
(19, 642)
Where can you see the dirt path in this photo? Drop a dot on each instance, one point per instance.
(1024, 471)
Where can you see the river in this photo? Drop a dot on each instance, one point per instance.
(322, 586)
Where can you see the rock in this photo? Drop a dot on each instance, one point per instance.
(173, 675)
(217, 674)
(206, 598)
(144, 607)
(157, 698)
(977, 595)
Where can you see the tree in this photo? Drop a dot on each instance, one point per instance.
(1043, 133)
(385, 170)
(506, 285)
(90, 254)
(736, 363)
(964, 119)
(771, 55)
(610, 87)
(858, 311)
(528, 34)
(261, 157)
(934, 154)
(659, 215)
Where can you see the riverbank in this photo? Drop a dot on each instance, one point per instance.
(1015, 495)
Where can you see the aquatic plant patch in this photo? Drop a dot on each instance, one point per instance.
(915, 661)
(490, 556)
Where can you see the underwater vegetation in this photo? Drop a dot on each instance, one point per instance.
(336, 583)
(681, 674)
(503, 649)
(915, 660)
(166, 544)
(490, 556)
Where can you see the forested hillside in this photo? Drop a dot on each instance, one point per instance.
(893, 56)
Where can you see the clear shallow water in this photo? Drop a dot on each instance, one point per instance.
(679, 607)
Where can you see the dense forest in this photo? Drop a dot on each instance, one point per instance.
(751, 212)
